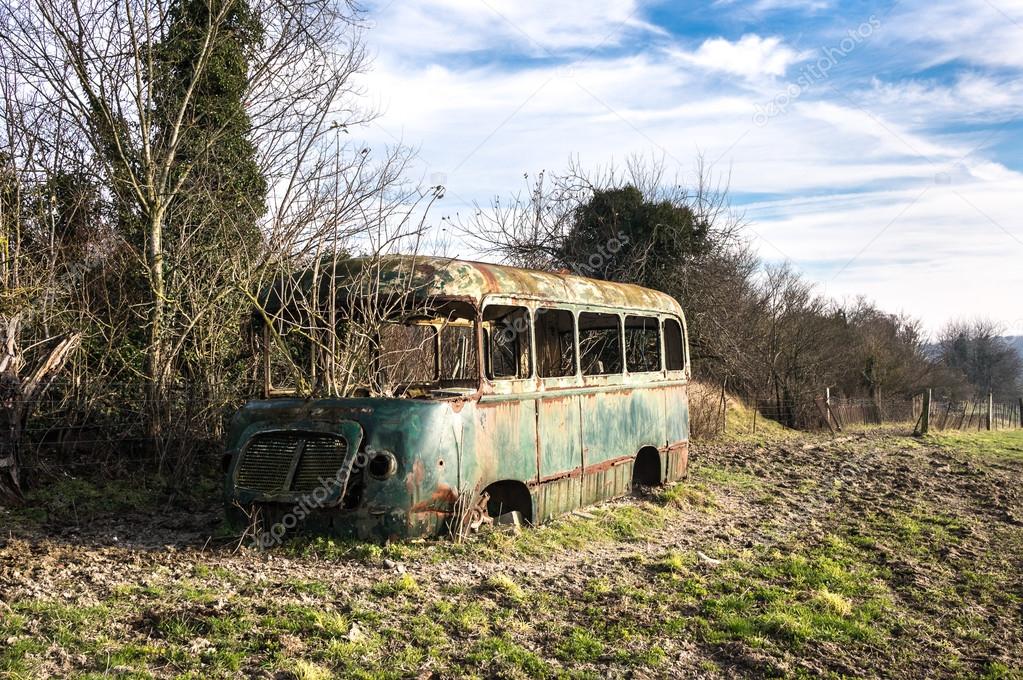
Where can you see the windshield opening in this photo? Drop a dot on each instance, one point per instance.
(418, 350)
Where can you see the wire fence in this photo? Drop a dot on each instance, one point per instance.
(713, 412)
(982, 414)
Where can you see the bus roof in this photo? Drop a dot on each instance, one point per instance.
(475, 281)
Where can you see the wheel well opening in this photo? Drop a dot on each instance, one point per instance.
(508, 496)
(646, 470)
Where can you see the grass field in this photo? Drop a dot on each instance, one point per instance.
(798, 556)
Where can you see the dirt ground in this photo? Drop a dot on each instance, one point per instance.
(864, 555)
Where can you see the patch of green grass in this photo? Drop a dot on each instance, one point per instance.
(14, 654)
(579, 646)
(997, 444)
(499, 656)
(405, 584)
(673, 563)
(77, 500)
(308, 587)
(466, 618)
(917, 531)
(688, 495)
(726, 476)
(770, 599)
(305, 670)
(740, 424)
(500, 583)
(609, 524)
(332, 549)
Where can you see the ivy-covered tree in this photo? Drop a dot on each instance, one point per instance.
(201, 98)
(212, 233)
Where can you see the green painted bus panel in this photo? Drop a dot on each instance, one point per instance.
(424, 436)
(560, 446)
(444, 448)
(677, 412)
(556, 497)
(503, 441)
(646, 418)
(607, 439)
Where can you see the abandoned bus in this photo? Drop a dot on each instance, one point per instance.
(531, 391)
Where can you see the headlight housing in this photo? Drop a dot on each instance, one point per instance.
(382, 465)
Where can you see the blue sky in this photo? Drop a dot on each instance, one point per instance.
(875, 145)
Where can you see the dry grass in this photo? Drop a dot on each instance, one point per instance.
(708, 420)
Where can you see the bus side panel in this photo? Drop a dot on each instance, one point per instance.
(607, 445)
(646, 416)
(504, 445)
(676, 399)
(560, 456)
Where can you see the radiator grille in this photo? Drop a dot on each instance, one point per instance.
(322, 457)
(269, 457)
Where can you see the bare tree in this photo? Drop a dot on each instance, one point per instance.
(93, 63)
(982, 358)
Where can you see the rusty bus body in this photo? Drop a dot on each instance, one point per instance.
(576, 392)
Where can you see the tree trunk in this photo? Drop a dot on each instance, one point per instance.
(10, 435)
(19, 396)
(155, 369)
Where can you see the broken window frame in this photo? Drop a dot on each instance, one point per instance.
(566, 313)
(619, 337)
(307, 381)
(682, 352)
(523, 341)
(650, 323)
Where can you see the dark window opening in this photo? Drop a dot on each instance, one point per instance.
(555, 343)
(674, 345)
(457, 353)
(600, 343)
(507, 342)
(642, 344)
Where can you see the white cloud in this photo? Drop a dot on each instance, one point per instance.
(972, 97)
(764, 6)
(451, 26)
(750, 57)
(979, 32)
(929, 252)
(847, 165)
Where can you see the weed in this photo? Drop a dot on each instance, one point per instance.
(405, 584)
(504, 585)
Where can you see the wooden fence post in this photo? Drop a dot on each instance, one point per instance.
(925, 415)
(723, 407)
(990, 411)
(1021, 411)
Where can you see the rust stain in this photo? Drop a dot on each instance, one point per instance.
(440, 500)
(414, 479)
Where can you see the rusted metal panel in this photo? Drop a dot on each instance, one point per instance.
(556, 496)
(608, 435)
(560, 450)
(646, 417)
(434, 276)
(501, 441)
